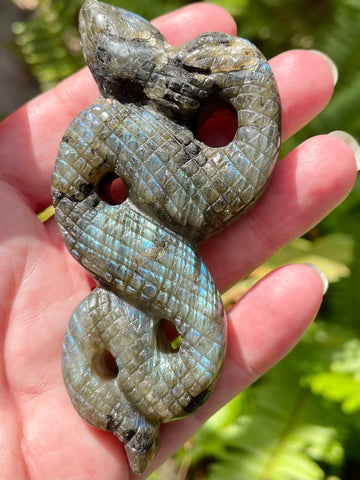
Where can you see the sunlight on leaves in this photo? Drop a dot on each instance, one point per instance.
(342, 383)
(283, 439)
(331, 253)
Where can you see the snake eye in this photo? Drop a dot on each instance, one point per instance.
(112, 189)
(216, 123)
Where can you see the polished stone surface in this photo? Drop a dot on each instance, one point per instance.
(143, 252)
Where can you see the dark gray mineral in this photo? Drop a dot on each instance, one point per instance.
(143, 252)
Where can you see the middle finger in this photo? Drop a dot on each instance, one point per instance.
(306, 185)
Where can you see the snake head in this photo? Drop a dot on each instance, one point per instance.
(120, 48)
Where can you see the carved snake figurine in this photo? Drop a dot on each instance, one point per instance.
(143, 252)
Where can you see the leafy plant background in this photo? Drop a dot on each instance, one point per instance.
(301, 420)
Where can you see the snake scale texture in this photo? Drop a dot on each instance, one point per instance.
(143, 252)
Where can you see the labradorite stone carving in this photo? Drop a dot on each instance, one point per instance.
(119, 368)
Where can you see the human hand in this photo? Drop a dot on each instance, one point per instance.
(41, 435)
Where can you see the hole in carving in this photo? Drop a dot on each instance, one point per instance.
(112, 190)
(104, 364)
(92, 283)
(216, 123)
(169, 339)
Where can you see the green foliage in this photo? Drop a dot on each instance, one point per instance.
(289, 424)
(283, 438)
(332, 253)
(50, 43)
(301, 420)
(340, 380)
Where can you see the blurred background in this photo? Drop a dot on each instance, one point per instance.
(301, 420)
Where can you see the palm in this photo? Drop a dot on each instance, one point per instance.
(41, 436)
(44, 286)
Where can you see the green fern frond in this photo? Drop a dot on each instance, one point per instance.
(278, 429)
(221, 429)
(284, 438)
(346, 360)
(337, 387)
(341, 383)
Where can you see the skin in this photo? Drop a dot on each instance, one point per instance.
(41, 435)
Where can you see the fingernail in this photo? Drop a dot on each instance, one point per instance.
(353, 144)
(332, 66)
(321, 274)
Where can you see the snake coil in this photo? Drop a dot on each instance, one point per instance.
(143, 252)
